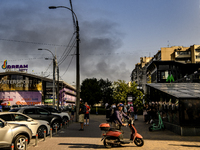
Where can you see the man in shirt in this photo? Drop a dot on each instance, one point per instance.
(119, 114)
(81, 115)
(86, 117)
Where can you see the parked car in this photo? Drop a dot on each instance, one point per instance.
(14, 133)
(36, 126)
(64, 115)
(40, 114)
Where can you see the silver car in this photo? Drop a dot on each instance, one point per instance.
(14, 133)
(37, 126)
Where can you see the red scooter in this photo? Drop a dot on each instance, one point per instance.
(113, 137)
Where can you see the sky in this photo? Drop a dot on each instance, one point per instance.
(114, 34)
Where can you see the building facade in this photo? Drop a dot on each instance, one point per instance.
(21, 88)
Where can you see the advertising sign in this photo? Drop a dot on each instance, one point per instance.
(14, 67)
(21, 98)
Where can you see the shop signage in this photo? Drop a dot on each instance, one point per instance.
(9, 67)
(170, 78)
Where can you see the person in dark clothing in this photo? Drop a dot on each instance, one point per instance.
(82, 111)
(118, 115)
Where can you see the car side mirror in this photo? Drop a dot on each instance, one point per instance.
(29, 119)
(4, 124)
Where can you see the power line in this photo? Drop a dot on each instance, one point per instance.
(68, 65)
(38, 43)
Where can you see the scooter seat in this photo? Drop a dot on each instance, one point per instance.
(113, 129)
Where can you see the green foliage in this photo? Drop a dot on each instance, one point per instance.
(122, 90)
(93, 91)
(90, 91)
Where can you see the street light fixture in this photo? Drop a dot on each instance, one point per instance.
(77, 61)
(54, 62)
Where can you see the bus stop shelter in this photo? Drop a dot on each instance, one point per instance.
(179, 104)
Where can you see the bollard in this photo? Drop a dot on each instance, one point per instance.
(26, 143)
(44, 135)
(56, 129)
(36, 139)
(61, 126)
(65, 125)
(51, 133)
(12, 146)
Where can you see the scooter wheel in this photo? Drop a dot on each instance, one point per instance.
(106, 143)
(150, 128)
(139, 142)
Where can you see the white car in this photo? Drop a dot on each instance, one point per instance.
(36, 126)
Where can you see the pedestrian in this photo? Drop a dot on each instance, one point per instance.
(148, 109)
(1, 108)
(131, 110)
(82, 111)
(72, 112)
(86, 117)
(125, 108)
(135, 112)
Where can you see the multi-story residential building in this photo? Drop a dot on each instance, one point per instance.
(167, 65)
(138, 75)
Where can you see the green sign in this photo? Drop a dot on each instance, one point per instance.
(170, 78)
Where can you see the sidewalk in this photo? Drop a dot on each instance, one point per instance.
(90, 138)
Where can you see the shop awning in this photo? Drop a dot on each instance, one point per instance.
(179, 90)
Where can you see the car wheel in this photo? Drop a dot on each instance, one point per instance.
(40, 131)
(20, 142)
(56, 123)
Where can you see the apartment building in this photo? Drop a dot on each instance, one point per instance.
(167, 65)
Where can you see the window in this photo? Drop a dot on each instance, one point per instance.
(42, 112)
(197, 50)
(29, 111)
(6, 117)
(1, 124)
(18, 117)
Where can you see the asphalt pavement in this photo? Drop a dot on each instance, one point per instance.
(71, 138)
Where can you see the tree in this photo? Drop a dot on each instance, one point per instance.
(122, 90)
(106, 90)
(91, 91)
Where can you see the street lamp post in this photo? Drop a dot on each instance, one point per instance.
(77, 61)
(54, 64)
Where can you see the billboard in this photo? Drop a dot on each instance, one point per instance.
(21, 98)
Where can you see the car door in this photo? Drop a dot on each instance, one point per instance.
(31, 113)
(22, 119)
(6, 134)
(44, 114)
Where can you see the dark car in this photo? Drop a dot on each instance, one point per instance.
(64, 115)
(40, 114)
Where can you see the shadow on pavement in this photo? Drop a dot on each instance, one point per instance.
(184, 145)
(93, 131)
(95, 146)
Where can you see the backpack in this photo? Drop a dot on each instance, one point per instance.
(110, 114)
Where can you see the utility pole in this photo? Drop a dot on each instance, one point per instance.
(54, 65)
(58, 96)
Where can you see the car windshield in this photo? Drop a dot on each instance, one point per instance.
(13, 110)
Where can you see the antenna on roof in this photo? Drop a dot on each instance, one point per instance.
(168, 43)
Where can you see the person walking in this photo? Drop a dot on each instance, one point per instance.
(86, 117)
(72, 112)
(125, 108)
(82, 111)
(135, 112)
(131, 110)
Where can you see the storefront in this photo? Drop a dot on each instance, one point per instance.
(179, 104)
(21, 88)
